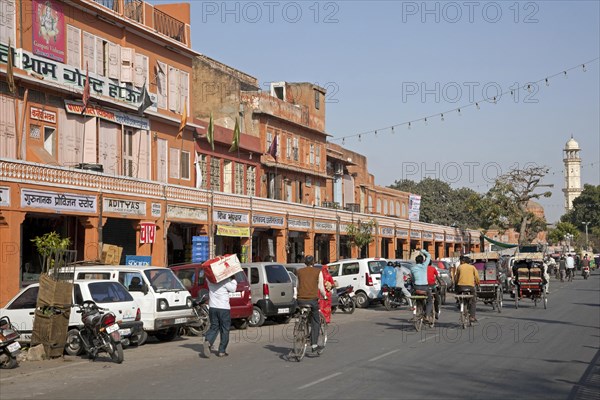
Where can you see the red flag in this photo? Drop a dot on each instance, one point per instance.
(273, 148)
(86, 89)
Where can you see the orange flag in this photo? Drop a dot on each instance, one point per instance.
(183, 121)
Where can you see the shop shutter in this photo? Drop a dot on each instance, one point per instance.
(183, 91)
(173, 89)
(89, 138)
(89, 53)
(127, 58)
(69, 138)
(114, 61)
(108, 147)
(161, 164)
(8, 141)
(74, 46)
(139, 77)
(141, 153)
(173, 163)
(161, 82)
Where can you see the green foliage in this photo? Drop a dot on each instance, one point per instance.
(361, 233)
(586, 208)
(557, 235)
(48, 245)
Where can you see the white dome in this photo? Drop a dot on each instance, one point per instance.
(572, 144)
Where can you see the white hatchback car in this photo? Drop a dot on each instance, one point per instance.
(107, 294)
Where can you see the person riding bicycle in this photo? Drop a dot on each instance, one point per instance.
(465, 280)
(310, 283)
(402, 278)
(435, 284)
(419, 272)
(570, 262)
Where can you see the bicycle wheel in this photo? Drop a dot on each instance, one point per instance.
(499, 297)
(418, 316)
(545, 300)
(322, 342)
(301, 335)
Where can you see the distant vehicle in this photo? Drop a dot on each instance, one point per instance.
(363, 274)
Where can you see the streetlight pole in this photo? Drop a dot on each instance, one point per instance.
(586, 234)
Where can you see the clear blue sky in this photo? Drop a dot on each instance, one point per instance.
(373, 55)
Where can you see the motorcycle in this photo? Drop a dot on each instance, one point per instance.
(9, 347)
(393, 297)
(202, 323)
(346, 302)
(100, 332)
(585, 272)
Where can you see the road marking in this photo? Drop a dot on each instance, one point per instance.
(427, 338)
(42, 370)
(384, 355)
(319, 381)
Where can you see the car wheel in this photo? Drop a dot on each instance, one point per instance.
(361, 300)
(74, 346)
(140, 338)
(240, 323)
(166, 335)
(257, 318)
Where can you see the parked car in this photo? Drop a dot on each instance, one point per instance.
(165, 303)
(106, 294)
(192, 277)
(293, 268)
(272, 292)
(364, 274)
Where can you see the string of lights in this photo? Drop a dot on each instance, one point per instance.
(459, 110)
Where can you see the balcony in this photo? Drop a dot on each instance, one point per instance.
(330, 204)
(260, 102)
(134, 9)
(110, 4)
(352, 207)
(169, 26)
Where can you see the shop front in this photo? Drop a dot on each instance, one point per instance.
(298, 230)
(387, 242)
(183, 224)
(427, 238)
(439, 245)
(324, 241)
(268, 240)
(345, 244)
(123, 218)
(402, 244)
(231, 233)
(415, 240)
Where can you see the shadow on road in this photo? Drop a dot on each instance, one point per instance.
(549, 321)
(587, 304)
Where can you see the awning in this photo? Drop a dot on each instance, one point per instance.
(500, 244)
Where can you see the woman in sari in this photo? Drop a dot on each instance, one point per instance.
(325, 305)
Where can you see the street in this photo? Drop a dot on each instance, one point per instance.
(530, 352)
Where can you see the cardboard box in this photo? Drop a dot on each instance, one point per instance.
(111, 254)
(222, 267)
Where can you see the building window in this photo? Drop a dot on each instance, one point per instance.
(34, 131)
(317, 192)
(202, 161)
(239, 178)
(50, 140)
(317, 99)
(250, 180)
(269, 140)
(379, 206)
(174, 163)
(295, 149)
(215, 174)
(128, 153)
(318, 156)
(311, 158)
(185, 165)
(385, 207)
(288, 148)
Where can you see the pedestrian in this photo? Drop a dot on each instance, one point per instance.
(325, 302)
(310, 284)
(562, 267)
(570, 267)
(546, 275)
(466, 279)
(220, 316)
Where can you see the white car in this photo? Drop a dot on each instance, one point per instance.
(106, 294)
(363, 274)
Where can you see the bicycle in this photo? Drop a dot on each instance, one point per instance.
(302, 333)
(463, 303)
(419, 315)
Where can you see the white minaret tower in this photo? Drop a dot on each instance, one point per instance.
(572, 162)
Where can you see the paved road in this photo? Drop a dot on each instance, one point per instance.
(525, 353)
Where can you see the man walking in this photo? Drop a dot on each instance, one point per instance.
(570, 267)
(220, 315)
(310, 283)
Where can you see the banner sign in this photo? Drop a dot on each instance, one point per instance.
(439, 237)
(5, 196)
(198, 214)
(156, 209)
(234, 231)
(233, 217)
(115, 116)
(48, 29)
(73, 79)
(267, 220)
(118, 206)
(42, 115)
(325, 226)
(385, 231)
(402, 233)
(427, 235)
(138, 260)
(299, 223)
(414, 207)
(58, 201)
(147, 232)
(415, 234)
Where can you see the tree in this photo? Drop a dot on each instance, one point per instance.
(361, 233)
(586, 208)
(505, 205)
(557, 235)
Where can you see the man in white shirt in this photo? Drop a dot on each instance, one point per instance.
(220, 315)
(570, 266)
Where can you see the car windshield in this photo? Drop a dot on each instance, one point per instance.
(277, 274)
(163, 280)
(240, 277)
(109, 292)
(375, 267)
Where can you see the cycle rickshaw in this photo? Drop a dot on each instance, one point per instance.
(490, 287)
(528, 279)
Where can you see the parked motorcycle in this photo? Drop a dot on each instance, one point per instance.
(9, 347)
(100, 333)
(346, 302)
(585, 272)
(202, 323)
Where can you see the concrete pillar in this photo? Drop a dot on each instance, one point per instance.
(91, 247)
(391, 248)
(309, 244)
(280, 241)
(10, 253)
(333, 255)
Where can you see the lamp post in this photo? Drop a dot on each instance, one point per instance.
(568, 238)
(586, 234)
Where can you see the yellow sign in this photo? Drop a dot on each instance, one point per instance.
(233, 231)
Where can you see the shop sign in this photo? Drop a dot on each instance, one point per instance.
(298, 223)
(129, 207)
(325, 226)
(439, 237)
(343, 229)
(73, 79)
(156, 209)
(415, 234)
(48, 29)
(427, 235)
(115, 116)
(267, 220)
(228, 216)
(474, 239)
(449, 238)
(5, 196)
(147, 232)
(402, 233)
(198, 214)
(42, 115)
(138, 260)
(385, 231)
(58, 201)
(234, 231)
